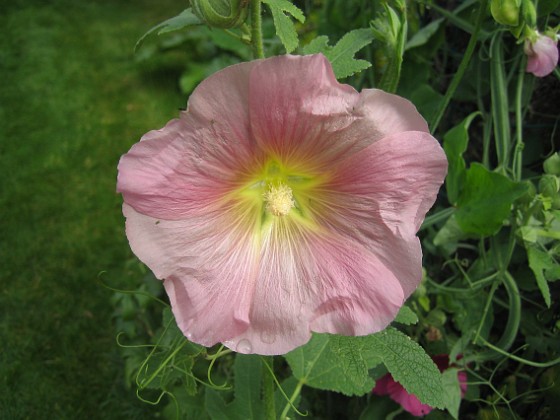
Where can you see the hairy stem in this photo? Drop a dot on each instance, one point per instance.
(256, 29)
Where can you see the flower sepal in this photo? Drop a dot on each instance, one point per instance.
(222, 14)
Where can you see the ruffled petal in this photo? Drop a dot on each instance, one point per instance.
(296, 104)
(209, 266)
(318, 283)
(380, 196)
(190, 164)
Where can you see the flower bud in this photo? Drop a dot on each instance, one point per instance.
(529, 13)
(221, 13)
(542, 54)
(506, 12)
(549, 185)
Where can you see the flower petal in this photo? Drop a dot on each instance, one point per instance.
(380, 196)
(542, 56)
(296, 103)
(316, 283)
(208, 266)
(184, 168)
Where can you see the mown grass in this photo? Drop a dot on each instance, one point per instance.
(72, 100)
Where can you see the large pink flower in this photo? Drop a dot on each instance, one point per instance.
(542, 55)
(410, 402)
(282, 202)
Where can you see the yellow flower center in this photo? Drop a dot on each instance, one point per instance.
(279, 199)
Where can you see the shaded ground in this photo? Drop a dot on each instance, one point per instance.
(72, 100)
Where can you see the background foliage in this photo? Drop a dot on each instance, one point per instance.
(73, 98)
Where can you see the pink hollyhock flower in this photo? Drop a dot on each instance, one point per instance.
(542, 55)
(388, 386)
(282, 202)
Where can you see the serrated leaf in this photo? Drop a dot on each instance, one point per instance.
(247, 390)
(409, 365)
(342, 54)
(335, 363)
(539, 261)
(406, 316)
(486, 200)
(286, 7)
(285, 28)
(183, 20)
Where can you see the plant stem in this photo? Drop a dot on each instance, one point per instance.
(256, 29)
(499, 103)
(519, 145)
(462, 67)
(268, 388)
(440, 216)
(293, 398)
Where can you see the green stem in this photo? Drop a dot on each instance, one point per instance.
(520, 359)
(147, 382)
(462, 67)
(256, 29)
(512, 325)
(519, 145)
(290, 403)
(437, 217)
(499, 102)
(268, 387)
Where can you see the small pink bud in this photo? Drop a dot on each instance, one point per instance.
(542, 55)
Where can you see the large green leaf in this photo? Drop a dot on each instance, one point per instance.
(335, 363)
(485, 200)
(342, 54)
(409, 365)
(340, 363)
(247, 404)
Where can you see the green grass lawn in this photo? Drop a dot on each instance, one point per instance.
(72, 100)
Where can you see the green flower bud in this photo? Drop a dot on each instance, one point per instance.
(506, 12)
(552, 164)
(529, 13)
(529, 195)
(549, 186)
(221, 13)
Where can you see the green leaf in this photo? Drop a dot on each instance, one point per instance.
(423, 35)
(406, 316)
(486, 200)
(185, 19)
(409, 365)
(285, 28)
(449, 235)
(339, 363)
(426, 99)
(247, 403)
(342, 54)
(335, 363)
(452, 392)
(455, 143)
(539, 261)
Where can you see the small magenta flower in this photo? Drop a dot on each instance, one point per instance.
(282, 202)
(410, 402)
(542, 54)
